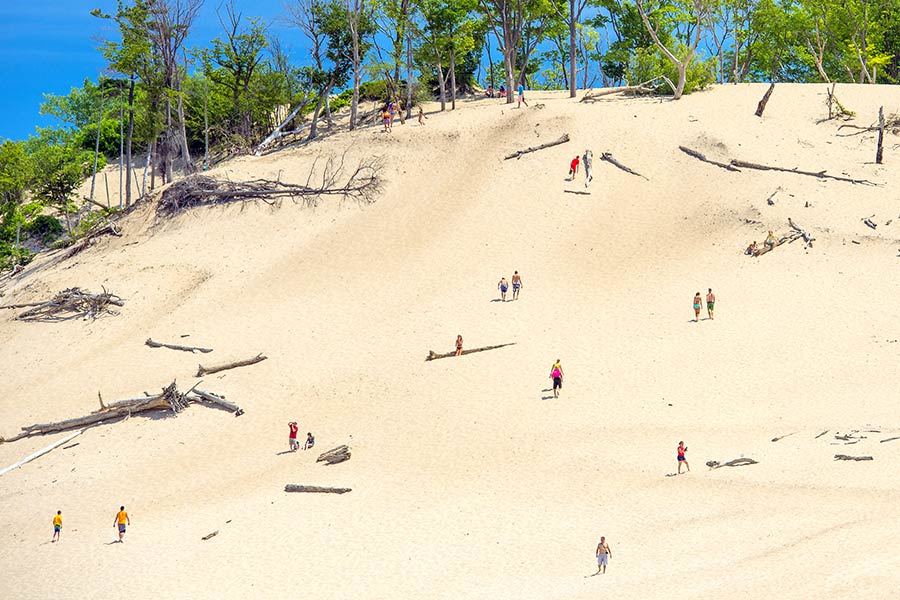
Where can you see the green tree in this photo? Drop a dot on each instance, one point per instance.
(58, 171)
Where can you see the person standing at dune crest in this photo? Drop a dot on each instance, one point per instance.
(120, 522)
(517, 284)
(681, 458)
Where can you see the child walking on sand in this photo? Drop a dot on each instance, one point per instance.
(57, 526)
(681, 458)
(422, 116)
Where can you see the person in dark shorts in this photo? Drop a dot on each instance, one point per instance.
(459, 344)
(517, 284)
(681, 458)
(503, 285)
(556, 374)
(310, 441)
(122, 520)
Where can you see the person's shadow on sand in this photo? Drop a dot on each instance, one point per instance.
(284, 452)
(547, 397)
(497, 300)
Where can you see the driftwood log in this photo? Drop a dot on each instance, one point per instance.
(219, 401)
(820, 435)
(890, 439)
(848, 457)
(802, 232)
(432, 355)
(765, 100)
(640, 88)
(335, 455)
(781, 437)
(314, 489)
(41, 452)
(210, 535)
(580, 193)
(519, 153)
(201, 370)
(104, 228)
(70, 304)
(612, 160)
(192, 349)
(737, 462)
(169, 399)
(701, 157)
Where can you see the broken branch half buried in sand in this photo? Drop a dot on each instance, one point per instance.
(192, 349)
(314, 489)
(201, 370)
(432, 355)
(519, 153)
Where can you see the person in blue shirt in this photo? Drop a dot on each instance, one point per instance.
(521, 90)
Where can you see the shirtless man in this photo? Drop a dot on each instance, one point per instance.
(710, 304)
(517, 284)
(603, 555)
(503, 285)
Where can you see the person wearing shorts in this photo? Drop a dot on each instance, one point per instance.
(517, 284)
(122, 520)
(521, 90)
(697, 301)
(459, 345)
(573, 168)
(681, 458)
(57, 526)
(310, 441)
(503, 286)
(292, 436)
(556, 373)
(386, 120)
(711, 304)
(603, 554)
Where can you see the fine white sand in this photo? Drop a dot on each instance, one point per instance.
(469, 480)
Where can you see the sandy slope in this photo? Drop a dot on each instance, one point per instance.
(469, 480)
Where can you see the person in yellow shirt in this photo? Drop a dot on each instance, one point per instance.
(121, 520)
(57, 526)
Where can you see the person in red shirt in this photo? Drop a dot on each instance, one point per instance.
(681, 459)
(573, 168)
(292, 439)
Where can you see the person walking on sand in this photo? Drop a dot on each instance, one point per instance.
(459, 343)
(292, 437)
(556, 374)
(573, 168)
(681, 458)
(697, 301)
(588, 160)
(521, 91)
(711, 304)
(603, 555)
(57, 526)
(422, 116)
(120, 522)
(517, 284)
(503, 286)
(386, 120)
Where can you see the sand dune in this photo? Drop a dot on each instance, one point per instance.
(469, 480)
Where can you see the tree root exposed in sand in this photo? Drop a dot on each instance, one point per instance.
(612, 160)
(170, 398)
(70, 304)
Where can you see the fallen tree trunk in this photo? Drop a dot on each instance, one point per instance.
(276, 133)
(765, 100)
(737, 462)
(818, 174)
(701, 157)
(806, 236)
(640, 88)
(312, 489)
(335, 455)
(201, 370)
(170, 399)
(432, 355)
(210, 535)
(519, 153)
(41, 452)
(847, 457)
(890, 439)
(612, 160)
(192, 349)
(218, 401)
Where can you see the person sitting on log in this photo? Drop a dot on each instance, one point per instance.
(770, 240)
(310, 441)
(752, 249)
(459, 345)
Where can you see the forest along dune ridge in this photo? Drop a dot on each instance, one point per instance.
(469, 480)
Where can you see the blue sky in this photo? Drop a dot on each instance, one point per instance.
(50, 46)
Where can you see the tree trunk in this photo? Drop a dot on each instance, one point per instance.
(442, 85)
(572, 66)
(188, 163)
(879, 151)
(121, 146)
(128, 142)
(409, 85)
(452, 78)
(357, 67)
(97, 146)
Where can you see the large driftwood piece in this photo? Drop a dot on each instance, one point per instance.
(612, 160)
(847, 457)
(890, 439)
(276, 133)
(70, 304)
(432, 355)
(818, 174)
(335, 455)
(201, 370)
(314, 489)
(701, 157)
(879, 151)
(802, 232)
(519, 153)
(40, 453)
(193, 349)
(218, 401)
(170, 399)
(640, 88)
(737, 462)
(765, 100)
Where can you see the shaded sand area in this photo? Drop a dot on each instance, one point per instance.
(469, 480)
